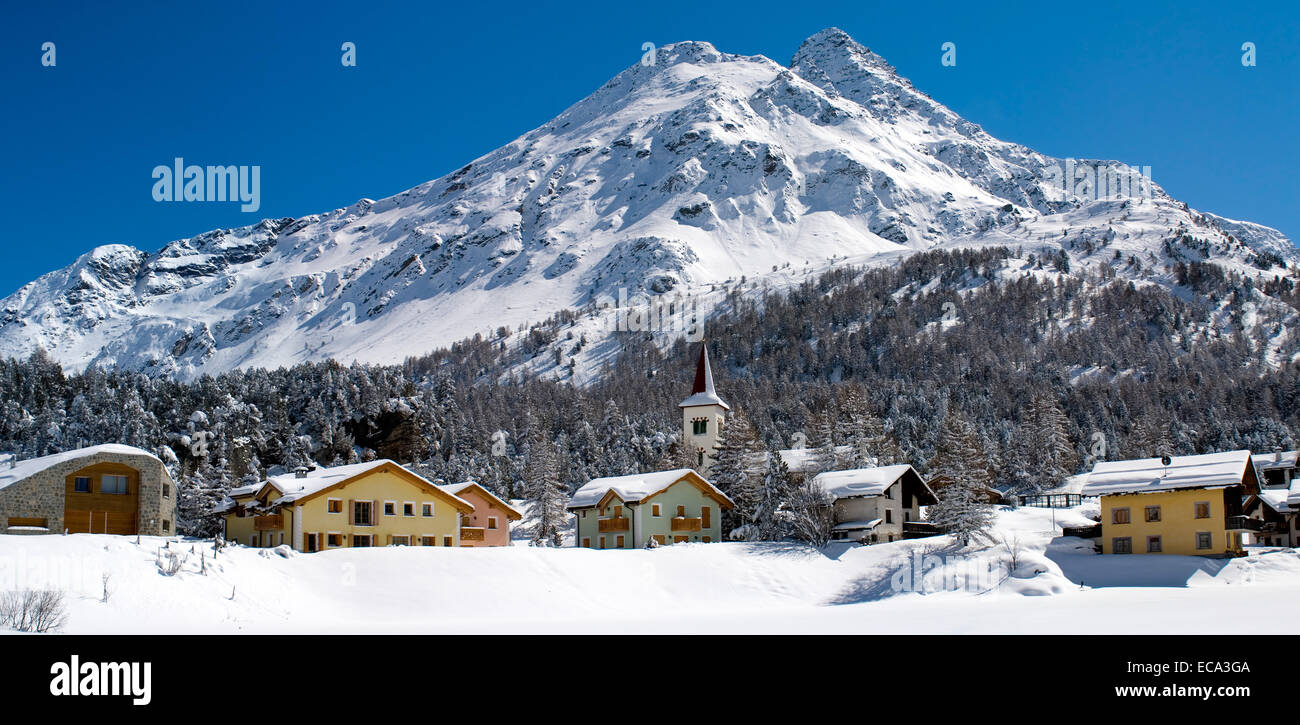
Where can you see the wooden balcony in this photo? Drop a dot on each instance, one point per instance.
(268, 523)
(619, 524)
(684, 524)
(471, 533)
(1243, 523)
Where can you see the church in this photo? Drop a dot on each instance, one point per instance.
(703, 414)
(661, 507)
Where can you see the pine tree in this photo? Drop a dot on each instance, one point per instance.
(962, 481)
(549, 494)
(735, 470)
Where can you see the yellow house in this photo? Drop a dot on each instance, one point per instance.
(378, 503)
(1192, 505)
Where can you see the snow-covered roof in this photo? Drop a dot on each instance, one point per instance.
(1141, 475)
(1073, 484)
(32, 466)
(635, 488)
(1278, 459)
(856, 525)
(1276, 498)
(801, 460)
(860, 481)
(294, 488)
(456, 488)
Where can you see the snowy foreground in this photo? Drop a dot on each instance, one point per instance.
(1058, 586)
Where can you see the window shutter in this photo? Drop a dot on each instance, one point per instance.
(374, 513)
(352, 511)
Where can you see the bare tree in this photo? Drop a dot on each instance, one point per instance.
(33, 611)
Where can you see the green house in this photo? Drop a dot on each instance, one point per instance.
(667, 507)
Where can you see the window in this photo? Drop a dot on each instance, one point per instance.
(1204, 540)
(492, 522)
(586, 542)
(1152, 514)
(706, 514)
(426, 510)
(1202, 509)
(889, 516)
(1153, 544)
(620, 542)
(310, 542)
(654, 509)
(167, 526)
(408, 508)
(112, 484)
(681, 512)
(401, 541)
(336, 506)
(446, 541)
(390, 508)
(889, 493)
(361, 540)
(81, 484)
(1121, 545)
(700, 458)
(707, 539)
(363, 513)
(602, 542)
(618, 512)
(334, 540)
(700, 426)
(167, 491)
(1119, 516)
(428, 541)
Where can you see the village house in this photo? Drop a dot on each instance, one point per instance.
(666, 507)
(1181, 505)
(489, 524)
(104, 489)
(1275, 506)
(378, 503)
(877, 504)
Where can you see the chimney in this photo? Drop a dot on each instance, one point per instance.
(300, 472)
(1277, 455)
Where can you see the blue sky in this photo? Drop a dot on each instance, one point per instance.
(1158, 83)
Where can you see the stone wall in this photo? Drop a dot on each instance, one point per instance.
(41, 495)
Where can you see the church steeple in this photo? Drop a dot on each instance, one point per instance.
(703, 413)
(703, 392)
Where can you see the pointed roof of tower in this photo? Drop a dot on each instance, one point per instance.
(702, 393)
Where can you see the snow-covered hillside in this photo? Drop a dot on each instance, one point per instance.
(919, 586)
(671, 178)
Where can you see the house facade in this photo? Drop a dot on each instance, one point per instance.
(1275, 506)
(664, 507)
(379, 503)
(104, 489)
(489, 524)
(875, 505)
(1191, 506)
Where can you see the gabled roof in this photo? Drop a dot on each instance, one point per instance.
(1279, 459)
(456, 489)
(1142, 475)
(295, 489)
(32, 466)
(859, 482)
(639, 487)
(702, 392)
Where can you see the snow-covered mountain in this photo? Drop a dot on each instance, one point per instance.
(679, 176)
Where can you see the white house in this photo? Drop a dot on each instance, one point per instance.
(873, 504)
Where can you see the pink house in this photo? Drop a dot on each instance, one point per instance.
(489, 525)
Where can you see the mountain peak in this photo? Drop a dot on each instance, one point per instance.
(835, 53)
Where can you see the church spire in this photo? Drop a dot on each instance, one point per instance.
(703, 392)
